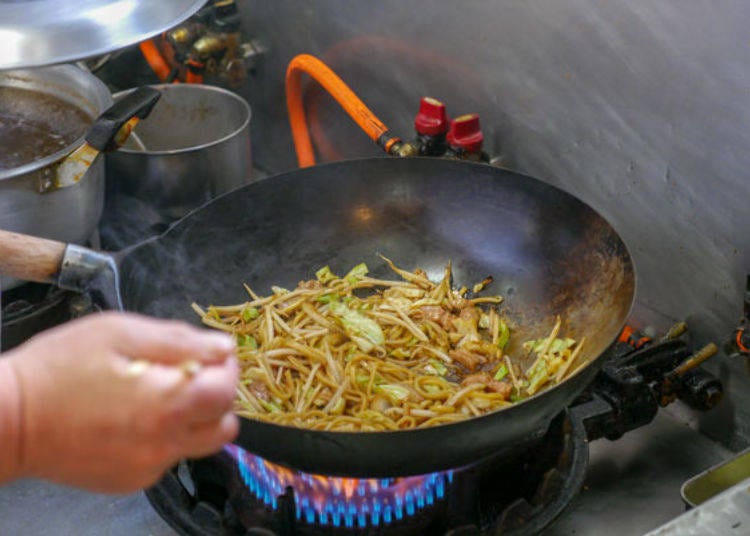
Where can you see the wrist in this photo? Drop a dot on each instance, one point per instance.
(11, 419)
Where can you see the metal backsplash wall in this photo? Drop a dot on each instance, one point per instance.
(640, 108)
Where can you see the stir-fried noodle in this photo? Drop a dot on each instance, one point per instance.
(363, 354)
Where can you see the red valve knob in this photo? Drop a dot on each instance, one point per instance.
(431, 119)
(466, 133)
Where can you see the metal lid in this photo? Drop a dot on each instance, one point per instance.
(43, 32)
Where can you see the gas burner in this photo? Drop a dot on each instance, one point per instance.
(33, 307)
(239, 493)
(339, 501)
(516, 493)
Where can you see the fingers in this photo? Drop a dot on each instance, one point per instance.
(180, 402)
(124, 423)
(169, 342)
(205, 439)
(211, 393)
(195, 407)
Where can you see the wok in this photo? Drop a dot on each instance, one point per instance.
(550, 254)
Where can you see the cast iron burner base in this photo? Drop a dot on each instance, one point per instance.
(32, 307)
(514, 496)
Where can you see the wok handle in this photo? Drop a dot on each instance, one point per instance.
(30, 258)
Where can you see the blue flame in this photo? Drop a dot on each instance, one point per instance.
(387, 513)
(341, 502)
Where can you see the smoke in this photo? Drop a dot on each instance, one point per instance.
(127, 221)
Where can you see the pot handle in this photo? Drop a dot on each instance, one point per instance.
(114, 126)
(109, 132)
(30, 258)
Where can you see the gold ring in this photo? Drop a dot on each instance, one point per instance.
(137, 368)
(190, 368)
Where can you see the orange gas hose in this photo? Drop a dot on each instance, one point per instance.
(738, 341)
(154, 58)
(357, 110)
(192, 78)
(160, 65)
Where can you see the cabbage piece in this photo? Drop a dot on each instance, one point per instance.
(436, 367)
(250, 313)
(247, 341)
(270, 407)
(503, 334)
(364, 331)
(397, 393)
(338, 407)
(324, 275)
(539, 376)
(357, 273)
(501, 373)
(557, 345)
(363, 380)
(400, 353)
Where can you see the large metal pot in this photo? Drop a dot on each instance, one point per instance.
(193, 147)
(27, 203)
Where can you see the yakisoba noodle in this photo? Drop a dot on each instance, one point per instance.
(395, 354)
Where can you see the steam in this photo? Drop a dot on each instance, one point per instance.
(127, 221)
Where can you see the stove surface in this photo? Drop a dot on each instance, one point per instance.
(632, 487)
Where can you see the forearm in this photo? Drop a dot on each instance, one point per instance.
(10, 422)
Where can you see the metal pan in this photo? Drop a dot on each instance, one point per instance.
(550, 255)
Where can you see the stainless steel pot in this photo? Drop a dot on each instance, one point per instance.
(194, 146)
(27, 204)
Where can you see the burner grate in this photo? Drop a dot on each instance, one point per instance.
(239, 493)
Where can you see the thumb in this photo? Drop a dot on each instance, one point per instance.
(170, 342)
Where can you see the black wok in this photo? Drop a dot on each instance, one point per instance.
(550, 254)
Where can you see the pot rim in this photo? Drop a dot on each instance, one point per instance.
(36, 165)
(189, 87)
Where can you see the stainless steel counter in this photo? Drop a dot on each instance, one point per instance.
(633, 486)
(727, 514)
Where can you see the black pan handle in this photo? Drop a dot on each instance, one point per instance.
(138, 103)
(109, 131)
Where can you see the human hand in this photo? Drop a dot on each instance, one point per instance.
(92, 419)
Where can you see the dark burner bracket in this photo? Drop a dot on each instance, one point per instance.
(633, 384)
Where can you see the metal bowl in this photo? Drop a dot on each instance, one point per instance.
(194, 146)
